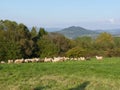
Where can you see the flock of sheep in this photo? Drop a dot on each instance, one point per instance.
(55, 59)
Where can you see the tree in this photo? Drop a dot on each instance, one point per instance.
(33, 33)
(23, 32)
(117, 42)
(46, 47)
(76, 52)
(9, 47)
(61, 42)
(42, 32)
(13, 51)
(84, 42)
(104, 41)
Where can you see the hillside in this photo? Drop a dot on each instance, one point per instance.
(74, 32)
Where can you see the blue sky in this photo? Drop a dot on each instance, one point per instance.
(92, 14)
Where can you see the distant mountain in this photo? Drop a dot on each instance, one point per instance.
(74, 32)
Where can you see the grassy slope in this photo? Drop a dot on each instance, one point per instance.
(72, 75)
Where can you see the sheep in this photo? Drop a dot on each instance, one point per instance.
(27, 60)
(10, 61)
(75, 59)
(71, 59)
(19, 61)
(41, 60)
(2, 62)
(33, 60)
(66, 58)
(58, 59)
(37, 59)
(48, 59)
(82, 58)
(99, 57)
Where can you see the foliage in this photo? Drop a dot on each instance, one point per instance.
(105, 41)
(17, 41)
(42, 32)
(47, 47)
(62, 43)
(76, 52)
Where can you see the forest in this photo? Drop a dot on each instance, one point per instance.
(18, 41)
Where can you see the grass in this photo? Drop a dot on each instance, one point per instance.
(70, 75)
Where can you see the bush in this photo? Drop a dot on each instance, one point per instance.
(76, 52)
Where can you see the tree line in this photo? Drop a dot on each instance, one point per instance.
(17, 41)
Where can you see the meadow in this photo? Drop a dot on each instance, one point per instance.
(69, 75)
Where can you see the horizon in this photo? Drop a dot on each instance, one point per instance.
(94, 14)
(60, 28)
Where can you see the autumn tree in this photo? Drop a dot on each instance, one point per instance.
(104, 41)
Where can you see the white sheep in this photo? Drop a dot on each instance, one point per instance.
(19, 61)
(48, 59)
(2, 62)
(99, 57)
(82, 58)
(58, 59)
(10, 61)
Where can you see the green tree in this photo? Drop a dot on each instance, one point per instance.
(33, 33)
(76, 52)
(117, 42)
(61, 42)
(84, 42)
(46, 47)
(104, 41)
(9, 48)
(42, 32)
(23, 32)
(34, 37)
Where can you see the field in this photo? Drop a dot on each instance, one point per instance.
(69, 75)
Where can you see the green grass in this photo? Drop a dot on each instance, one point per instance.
(70, 75)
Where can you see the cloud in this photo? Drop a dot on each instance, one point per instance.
(112, 21)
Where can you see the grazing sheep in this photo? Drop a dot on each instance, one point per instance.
(75, 59)
(99, 57)
(41, 60)
(66, 58)
(48, 59)
(27, 60)
(71, 59)
(58, 59)
(33, 60)
(78, 59)
(19, 61)
(2, 62)
(10, 61)
(37, 59)
(82, 58)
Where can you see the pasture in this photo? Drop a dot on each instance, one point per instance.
(68, 75)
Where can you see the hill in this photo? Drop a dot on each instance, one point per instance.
(74, 32)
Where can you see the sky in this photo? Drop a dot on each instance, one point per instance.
(91, 14)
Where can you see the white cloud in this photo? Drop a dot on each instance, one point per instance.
(112, 20)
